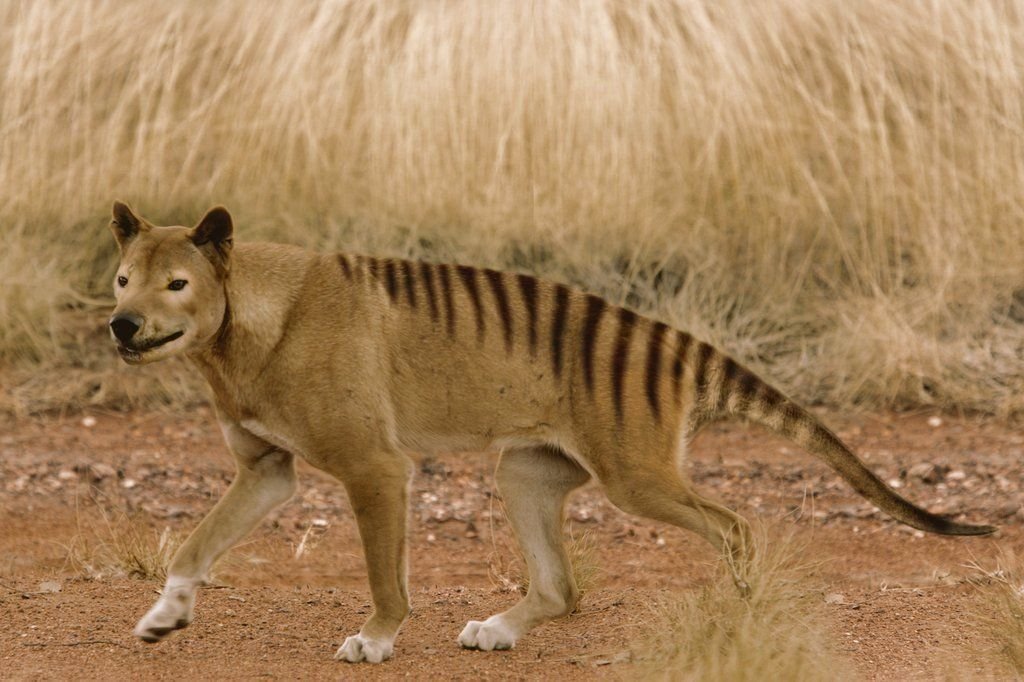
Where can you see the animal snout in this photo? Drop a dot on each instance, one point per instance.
(124, 326)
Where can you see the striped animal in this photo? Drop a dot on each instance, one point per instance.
(351, 361)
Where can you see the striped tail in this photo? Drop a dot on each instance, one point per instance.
(743, 393)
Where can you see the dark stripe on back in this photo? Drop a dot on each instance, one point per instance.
(528, 288)
(427, 275)
(700, 370)
(730, 372)
(391, 279)
(497, 282)
(558, 326)
(591, 323)
(654, 342)
(468, 276)
(683, 341)
(345, 267)
(374, 267)
(446, 291)
(410, 283)
(775, 403)
(770, 398)
(744, 385)
(748, 388)
(620, 357)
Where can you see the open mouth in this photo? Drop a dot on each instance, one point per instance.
(137, 351)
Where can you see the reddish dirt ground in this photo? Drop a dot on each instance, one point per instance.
(898, 604)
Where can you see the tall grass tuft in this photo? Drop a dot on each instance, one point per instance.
(774, 633)
(832, 190)
(1000, 610)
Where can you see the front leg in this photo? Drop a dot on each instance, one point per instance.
(265, 479)
(378, 490)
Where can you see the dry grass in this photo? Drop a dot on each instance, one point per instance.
(832, 190)
(507, 570)
(115, 544)
(585, 558)
(1000, 609)
(776, 633)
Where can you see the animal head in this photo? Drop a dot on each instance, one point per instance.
(169, 285)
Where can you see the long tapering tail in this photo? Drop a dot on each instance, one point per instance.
(741, 392)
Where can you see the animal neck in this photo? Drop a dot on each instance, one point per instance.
(219, 360)
(258, 293)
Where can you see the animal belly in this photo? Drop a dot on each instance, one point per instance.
(473, 420)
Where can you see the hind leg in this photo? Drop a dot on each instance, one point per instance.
(665, 496)
(534, 483)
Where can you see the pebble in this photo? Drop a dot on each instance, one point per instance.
(100, 471)
(925, 472)
(1008, 509)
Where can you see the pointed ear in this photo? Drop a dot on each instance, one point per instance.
(213, 236)
(125, 224)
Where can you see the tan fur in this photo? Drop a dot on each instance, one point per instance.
(350, 361)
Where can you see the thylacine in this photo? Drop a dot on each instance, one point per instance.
(349, 361)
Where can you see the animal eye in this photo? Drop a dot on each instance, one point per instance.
(177, 285)
(122, 280)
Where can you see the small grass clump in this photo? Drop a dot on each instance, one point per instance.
(118, 545)
(508, 572)
(774, 633)
(999, 610)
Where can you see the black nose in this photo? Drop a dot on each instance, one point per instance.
(125, 326)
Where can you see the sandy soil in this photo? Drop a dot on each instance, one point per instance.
(897, 602)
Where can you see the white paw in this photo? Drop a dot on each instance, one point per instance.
(163, 619)
(359, 648)
(170, 613)
(487, 635)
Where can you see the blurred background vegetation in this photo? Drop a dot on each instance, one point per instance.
(829, 189)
